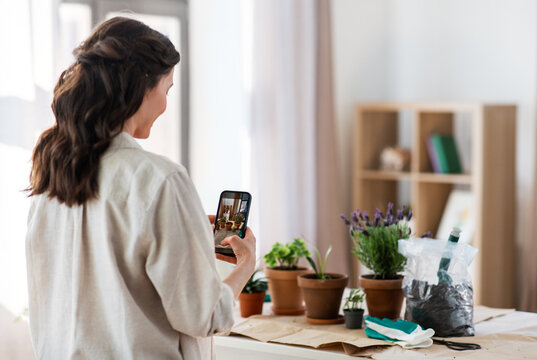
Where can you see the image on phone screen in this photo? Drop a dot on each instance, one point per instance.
(231, 218)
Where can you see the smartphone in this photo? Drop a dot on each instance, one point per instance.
(231, 218)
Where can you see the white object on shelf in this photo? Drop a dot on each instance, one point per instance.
(459, 212)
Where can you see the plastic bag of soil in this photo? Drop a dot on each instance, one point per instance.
(438, 299)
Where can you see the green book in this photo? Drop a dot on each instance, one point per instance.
(446, 153)
(450, 148)
(440, 155)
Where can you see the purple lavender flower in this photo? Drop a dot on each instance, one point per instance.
(377, 218)
(361, 223)
(390, 209)
(366, 219)
(355, 217)
(342, 217)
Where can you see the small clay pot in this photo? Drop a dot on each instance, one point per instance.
(285, 294)
(229, 225)
(251, 303)
(384, 298)
(323, 297)
(353, 318)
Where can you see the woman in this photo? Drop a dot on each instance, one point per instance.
(120, 253)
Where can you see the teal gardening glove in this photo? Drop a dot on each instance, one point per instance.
(406, 334)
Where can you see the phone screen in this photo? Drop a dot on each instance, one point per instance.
(231, 218)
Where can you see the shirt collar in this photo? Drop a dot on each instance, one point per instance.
(122, 141)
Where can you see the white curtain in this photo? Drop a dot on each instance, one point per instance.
(283, 120)
(26, 73)
(294, 164)
(28, 35)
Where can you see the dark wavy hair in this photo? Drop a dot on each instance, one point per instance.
(115, 67)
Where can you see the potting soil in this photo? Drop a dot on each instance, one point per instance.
(447, 309)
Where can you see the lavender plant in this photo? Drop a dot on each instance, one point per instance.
(375, 240)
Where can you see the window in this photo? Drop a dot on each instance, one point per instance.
(46, 34)
(165, 136)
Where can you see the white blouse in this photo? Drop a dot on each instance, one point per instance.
(130, 275)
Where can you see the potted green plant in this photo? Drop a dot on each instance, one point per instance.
(222, 222)
(376, 246)
(322, 291)
(352, 309)
(252, 297)
(238, 219)
(282, 273)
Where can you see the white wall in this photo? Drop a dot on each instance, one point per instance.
(427, 50)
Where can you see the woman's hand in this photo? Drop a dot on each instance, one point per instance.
(244, 249)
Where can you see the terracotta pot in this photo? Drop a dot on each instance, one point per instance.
(384, 298)
(251, 303)
(229, 225)
(285, 294)
(323, 297)
(353, 319)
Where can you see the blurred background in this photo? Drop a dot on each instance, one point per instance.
(265, 101)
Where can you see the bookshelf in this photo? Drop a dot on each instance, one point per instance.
(489, 174)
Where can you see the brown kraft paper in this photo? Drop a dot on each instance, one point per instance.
(294, 330)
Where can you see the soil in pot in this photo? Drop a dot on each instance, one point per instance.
(285, 294)
(384, 298)
(353, 318)
(323, 297)
(251, 303)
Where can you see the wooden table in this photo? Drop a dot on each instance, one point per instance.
(242, 348)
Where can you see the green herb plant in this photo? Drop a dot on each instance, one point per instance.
(255, 285)
(354, 301)
(285, 257)
(320, 267)
(376, 240)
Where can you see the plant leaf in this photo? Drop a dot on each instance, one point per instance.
(312, 263)
(323, 270)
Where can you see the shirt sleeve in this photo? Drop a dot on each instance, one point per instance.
(181, 262)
